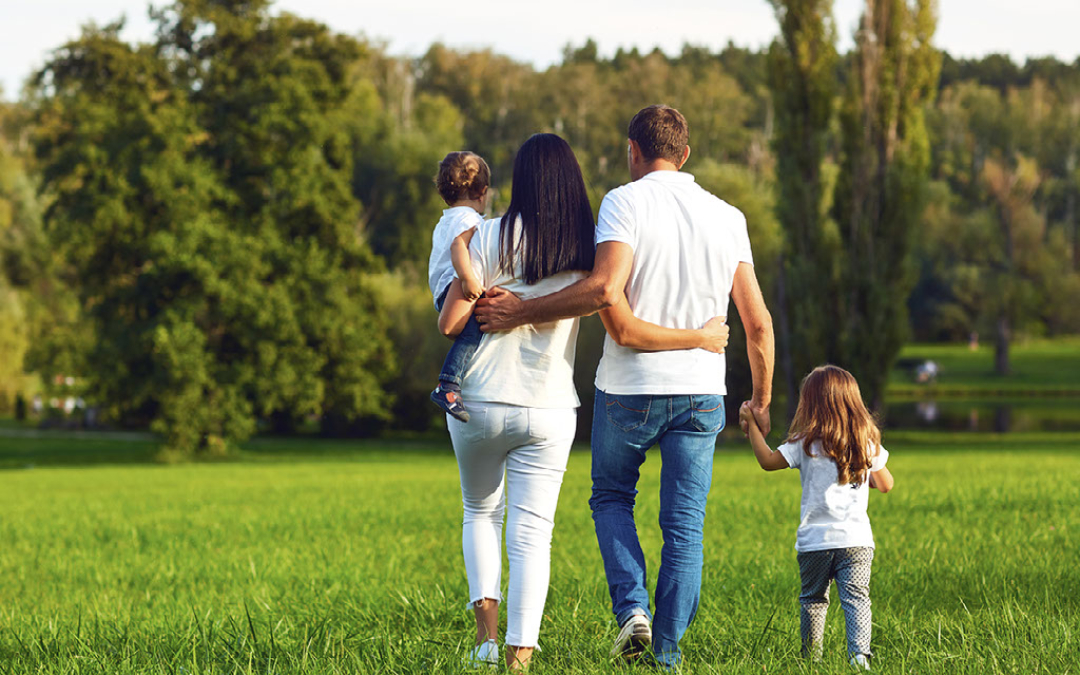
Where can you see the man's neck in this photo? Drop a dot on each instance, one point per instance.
(657, 165)
(661, 165)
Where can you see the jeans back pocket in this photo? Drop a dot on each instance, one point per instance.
(627, 411)
(707, 413)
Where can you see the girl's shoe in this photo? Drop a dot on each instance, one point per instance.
(449, 399)
(860, 662)
(484, 654)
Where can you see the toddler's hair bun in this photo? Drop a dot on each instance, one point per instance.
(462, 175)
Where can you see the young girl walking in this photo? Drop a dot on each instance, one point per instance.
(836, 446)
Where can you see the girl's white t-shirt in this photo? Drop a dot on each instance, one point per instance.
(832, 515)
(532, 365)
(455, 221)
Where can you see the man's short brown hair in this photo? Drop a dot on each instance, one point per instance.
(661, 132)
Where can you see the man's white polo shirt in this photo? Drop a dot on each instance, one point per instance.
(687, 244)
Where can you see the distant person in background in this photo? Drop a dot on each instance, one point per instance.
(926, 372)
(674, 255)
(836, 446)
(462, 181)
(513, 452)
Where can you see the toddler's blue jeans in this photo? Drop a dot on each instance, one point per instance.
(465, 345)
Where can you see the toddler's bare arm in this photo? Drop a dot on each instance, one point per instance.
(459, 258)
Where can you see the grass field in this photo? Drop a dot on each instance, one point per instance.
(325, 557)
(1039, 367)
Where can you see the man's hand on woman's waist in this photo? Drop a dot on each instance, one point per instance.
(500, 310)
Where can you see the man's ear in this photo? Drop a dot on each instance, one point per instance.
(635, 151)
(685, 156)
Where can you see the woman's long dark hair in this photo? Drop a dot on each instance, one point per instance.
(549, 195)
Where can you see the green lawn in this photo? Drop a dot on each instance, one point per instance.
(340, 557)
(1041, 367)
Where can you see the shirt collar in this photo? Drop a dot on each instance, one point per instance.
(456, 209)
(669, 176)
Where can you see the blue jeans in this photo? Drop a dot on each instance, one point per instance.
(457, 360)
(624, 428)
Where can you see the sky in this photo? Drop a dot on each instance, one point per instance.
(536, 32)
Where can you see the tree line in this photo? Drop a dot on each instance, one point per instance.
(226, 229)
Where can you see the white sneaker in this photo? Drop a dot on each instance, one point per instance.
(484, 654)
(860, 662)
(635, 636)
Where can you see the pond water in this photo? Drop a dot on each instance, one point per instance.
(997, 415)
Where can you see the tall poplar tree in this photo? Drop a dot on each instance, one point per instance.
(882, 187)
(802, 79)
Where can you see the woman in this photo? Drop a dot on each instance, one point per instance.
(521, 393)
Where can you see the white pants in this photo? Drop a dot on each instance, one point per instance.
(530, 446)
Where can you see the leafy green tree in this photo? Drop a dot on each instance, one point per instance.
(801, 76)
(272, 94)
(395, 161)
(496, 96)
(19, 221)
(1012, 187)
(881, 191)
(1000, 164)
(203, 209)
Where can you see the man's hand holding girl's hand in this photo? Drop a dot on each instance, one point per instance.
(746, 418)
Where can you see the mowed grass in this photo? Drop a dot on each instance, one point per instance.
(317, 557)
(1039, 367)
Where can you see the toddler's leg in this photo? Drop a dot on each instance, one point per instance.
(853, 583)
(457, 360)
(448, 394)
(815, 569)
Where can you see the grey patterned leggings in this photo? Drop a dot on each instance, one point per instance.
(851, 569)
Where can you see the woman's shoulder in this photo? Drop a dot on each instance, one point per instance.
(490, 226)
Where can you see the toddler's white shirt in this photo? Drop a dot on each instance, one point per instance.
(454, 222)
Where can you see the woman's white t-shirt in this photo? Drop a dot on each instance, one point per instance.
(832, 515)
(455, 221)
(532, 365)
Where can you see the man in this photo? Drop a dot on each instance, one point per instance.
(677, 254)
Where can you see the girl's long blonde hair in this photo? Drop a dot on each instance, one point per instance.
(831, 411)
